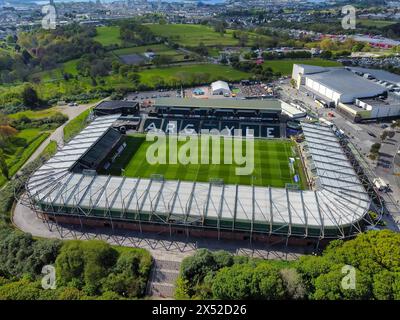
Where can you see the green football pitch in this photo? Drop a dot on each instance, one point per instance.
(271, 165)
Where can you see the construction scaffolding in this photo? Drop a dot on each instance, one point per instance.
(336, 208)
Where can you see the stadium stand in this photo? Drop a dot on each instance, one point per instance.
(219, 113)
(152, 124)
(189, 125)
(271, 131)
(116, 107)
(99, 151)
(171, 126)
(335, 209)
(246, 129)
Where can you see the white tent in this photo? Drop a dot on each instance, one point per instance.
(220, 87)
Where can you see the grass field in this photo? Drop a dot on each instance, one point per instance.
(271, 165)
(35, 114)
(177, 74)
(285, 66)
(159, 49)
(191, 35)
(375, 23)
(57, 73)
(189, 74)
(20, 148)
(187, 35)
(108, 35)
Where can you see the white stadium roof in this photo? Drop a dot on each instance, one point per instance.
(340, 200)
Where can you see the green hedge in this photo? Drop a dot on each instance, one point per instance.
(76, 125)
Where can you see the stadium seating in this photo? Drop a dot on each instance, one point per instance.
(152, 123)
(93, 158)
(246, 129)
(200, 112)
(179, 111)
(221, 113)
(189, 125)
(271, 117)
(171, 125)
(247, 114)
(230, 125)
(270, 131)
(208, 125)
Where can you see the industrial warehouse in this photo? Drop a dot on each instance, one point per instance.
(68, 189)
(358, 93)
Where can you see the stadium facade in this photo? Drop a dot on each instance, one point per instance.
(264, 117)
(67, 189)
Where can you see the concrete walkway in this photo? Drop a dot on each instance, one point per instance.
(58, 134)
(163, 278)
(161, 246)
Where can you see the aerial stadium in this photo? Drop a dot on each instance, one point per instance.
(301, 190)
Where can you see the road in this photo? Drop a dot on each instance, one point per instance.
(58, 134)
(358, 135)
(161, 246)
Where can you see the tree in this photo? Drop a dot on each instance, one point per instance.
(70, 293)
(234, 283)
(45, 252)
(6, 131)
(329, 286)
(384, 135)
(3, 165)
(11, 39)
(293, 284)
(243, 39)
(20, 290)
(70, 263)
(220, 27)
(375, 148)
(328, 45)
(134, 77)
(267, 283)
(99, 258)
(326, 54)
(195, 268)
(129, 275)
(223, 259)
(30, 97)
(383, 285)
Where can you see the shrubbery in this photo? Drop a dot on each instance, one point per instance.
(84, 269)
(45, 123)
(375, 255)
